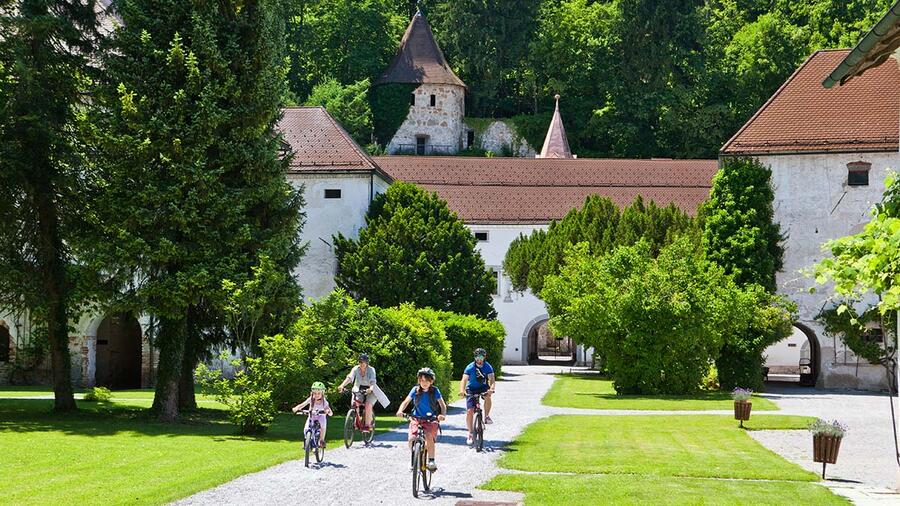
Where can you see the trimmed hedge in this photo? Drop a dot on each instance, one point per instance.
(324, 343)
(466, 333)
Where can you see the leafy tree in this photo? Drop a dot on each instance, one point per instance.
(740, 233)
(347, 104)
(346, 40)
(193, 187)
(657, 322)
(600, 225)
(414, 249)
(45, 55)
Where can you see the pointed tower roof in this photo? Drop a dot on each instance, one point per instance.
(555, 144)
(419, 59)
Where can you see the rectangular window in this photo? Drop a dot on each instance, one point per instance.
(433, 101)
(420, 145)
(332, 193)
(495, 274)
(412, 99)
(858, 173)
(481, 236)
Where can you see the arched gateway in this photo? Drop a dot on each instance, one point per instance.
(118, 359)
(543, 347)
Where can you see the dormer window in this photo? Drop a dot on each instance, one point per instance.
(858, 173)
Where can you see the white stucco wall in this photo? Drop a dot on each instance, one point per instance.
(327, 217)
(441, 123)
(787, 352)
(814, 204)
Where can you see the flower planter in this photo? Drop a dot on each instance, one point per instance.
(825, 450)
(742, 411)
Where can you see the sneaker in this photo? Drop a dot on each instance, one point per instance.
(487, 420)
(431, 465)
(470, 439)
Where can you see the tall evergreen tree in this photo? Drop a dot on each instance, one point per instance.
(45, 50)
(414, 249)
(192, 183)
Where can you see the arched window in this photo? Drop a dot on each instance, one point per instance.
(4, 343)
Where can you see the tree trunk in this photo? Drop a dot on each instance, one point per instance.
(187, 401)
(171, 356)
(50, 251)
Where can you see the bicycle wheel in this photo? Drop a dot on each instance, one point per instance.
(307, 446)
(349, 427)
(423, 468)
(417, 465)
(369, 436)
(320, 452)
(479, 432)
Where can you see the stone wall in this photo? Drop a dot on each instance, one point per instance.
(500, 138)
(813, 204)
(441, 125)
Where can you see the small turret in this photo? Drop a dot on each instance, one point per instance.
(555, 144)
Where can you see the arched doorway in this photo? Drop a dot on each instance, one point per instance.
(5, 342)
(118, 364)
(794, 359)
(546, 348)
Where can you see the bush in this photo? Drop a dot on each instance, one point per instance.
(247, 396)
(466, 333)
(324, 343)
(97, 394)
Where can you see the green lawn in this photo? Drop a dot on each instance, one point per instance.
(593, 392)
(113, 453)
(690, 445)
(591, 490)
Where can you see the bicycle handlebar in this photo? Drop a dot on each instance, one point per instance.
(307, 412)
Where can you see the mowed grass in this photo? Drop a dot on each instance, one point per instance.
(591, 490)
(709, 446)
(114, 453)
(594, 392)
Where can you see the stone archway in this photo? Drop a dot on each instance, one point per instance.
(542, 347)
(795, 359)
(118, 352)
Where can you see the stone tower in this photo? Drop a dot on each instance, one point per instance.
(434, 125)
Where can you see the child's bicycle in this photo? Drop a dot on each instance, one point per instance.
(478, 422)
(311, 438)
(419, 456)
(356, 418)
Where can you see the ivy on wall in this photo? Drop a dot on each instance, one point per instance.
(390, 107)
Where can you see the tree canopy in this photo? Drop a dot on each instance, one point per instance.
(639, 78)
(414, 249)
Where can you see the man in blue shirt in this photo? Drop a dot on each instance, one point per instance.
(478, 378)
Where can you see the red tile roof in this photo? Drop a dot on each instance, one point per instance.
(419, 59)
(804, 117)
(320, 144)
(539, 190)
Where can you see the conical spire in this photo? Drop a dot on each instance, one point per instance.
(419, 59)
(555, 144)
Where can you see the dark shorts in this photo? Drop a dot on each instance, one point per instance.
(472, 392)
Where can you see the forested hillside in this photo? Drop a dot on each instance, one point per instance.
(639, 78)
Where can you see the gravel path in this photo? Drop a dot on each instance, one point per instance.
(380, 475)
(867, 456)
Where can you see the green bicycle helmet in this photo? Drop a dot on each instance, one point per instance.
(318, 386)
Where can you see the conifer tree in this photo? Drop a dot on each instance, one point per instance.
(414, 249)
(45, 49)
(193, 184)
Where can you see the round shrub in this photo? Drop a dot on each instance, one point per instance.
(97, 394)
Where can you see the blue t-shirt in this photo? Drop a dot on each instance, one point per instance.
(475, 382)
(421, 407)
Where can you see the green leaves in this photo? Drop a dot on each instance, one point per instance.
(414, 249)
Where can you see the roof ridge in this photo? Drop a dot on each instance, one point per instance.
(353, 144)
(770, 100)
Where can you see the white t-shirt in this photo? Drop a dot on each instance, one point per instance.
(359, 378)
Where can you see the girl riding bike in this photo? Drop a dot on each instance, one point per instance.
(316, 402)
(427, 401)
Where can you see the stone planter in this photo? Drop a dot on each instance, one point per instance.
(825, 450)
(742, 411)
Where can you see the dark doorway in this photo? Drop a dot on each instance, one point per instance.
(5, 339)
(118, 352)
(546, 348)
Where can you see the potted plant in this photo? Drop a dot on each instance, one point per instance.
(826, 441)
(742, 404)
